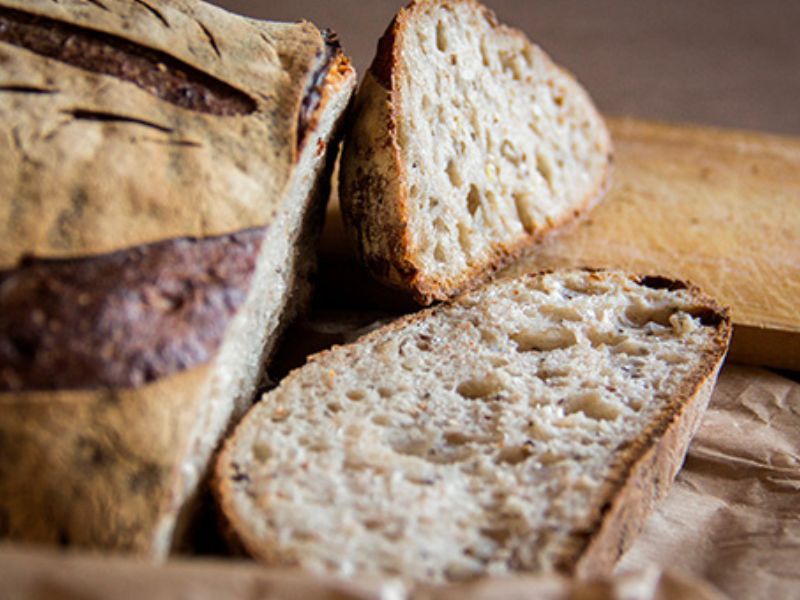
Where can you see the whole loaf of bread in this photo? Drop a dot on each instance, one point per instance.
(161, 182)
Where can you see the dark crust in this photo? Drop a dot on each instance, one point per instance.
(330, 56)
(121, 319)
(153, 71)
(382, 65)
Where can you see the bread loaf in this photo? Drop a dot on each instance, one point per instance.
(529, 425)
(163, 163)
(468, 144)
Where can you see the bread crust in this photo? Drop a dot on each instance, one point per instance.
(114, 466)
(373, 190)
(70, 135)
(94, 468)
(644, 471)
(647, 470)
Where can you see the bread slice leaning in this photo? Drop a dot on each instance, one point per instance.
(468, 144)
(529, 425)
(167, 180)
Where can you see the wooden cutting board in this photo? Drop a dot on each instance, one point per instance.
(718, 207)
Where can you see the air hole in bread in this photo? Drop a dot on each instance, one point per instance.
(409, 364)
(657, 282)
(456, 438)
(280, 413)
(544, 169)
(631, 348)
(522, 202)
(439, 253)
(527, 54)
(485, 54)
(464, 238)
(261, 452)
(479, 389)
(473, 200)
(491, 201)
(488, 336)
(561, 313)
(372, 524)
(707, 317)
(426, 103)
(509, 152)
(442, 42)
(671, 358)
(333, 407)
(528, 340)
(593, 406)
(385, 392)
(498, 361)
(454, 174)
(510, 64)
(598, 337)
(548, 373)
(513, 455)
(382, 419)
(302, 535)
(356, 394)
(640, 315)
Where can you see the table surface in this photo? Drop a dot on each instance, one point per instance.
(731, 63)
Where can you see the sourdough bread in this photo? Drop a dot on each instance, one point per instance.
(163, 169)
(529, 425)
(468, 144)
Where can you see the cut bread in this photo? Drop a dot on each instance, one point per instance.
(468, 144)
(529, 425)
(165, 168)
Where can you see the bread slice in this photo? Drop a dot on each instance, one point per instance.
(529, 425)
(468, 144)
(165, 166)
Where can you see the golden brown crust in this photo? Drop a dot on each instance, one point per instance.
(373, 190)
(94, 468)
(112, 468)
(88, 137)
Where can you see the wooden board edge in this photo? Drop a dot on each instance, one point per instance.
(779, 349)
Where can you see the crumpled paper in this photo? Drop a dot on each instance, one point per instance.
(732, 516)
(730, 524)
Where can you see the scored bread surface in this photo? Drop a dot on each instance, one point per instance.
(107, 171)
(530, 425)
(468, 144)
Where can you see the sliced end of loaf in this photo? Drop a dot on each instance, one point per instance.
(469, 145)
(530, 425)
(278, 293)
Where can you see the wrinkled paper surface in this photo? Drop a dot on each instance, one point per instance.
(733, 515)
(730, 524)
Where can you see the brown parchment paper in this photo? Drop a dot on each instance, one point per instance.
(731, 523)
(733, 515)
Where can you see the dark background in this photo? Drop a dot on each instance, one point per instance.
(733, 63)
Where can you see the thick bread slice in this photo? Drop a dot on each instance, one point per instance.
(529, 425)
(468, 145)
(165, 168)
